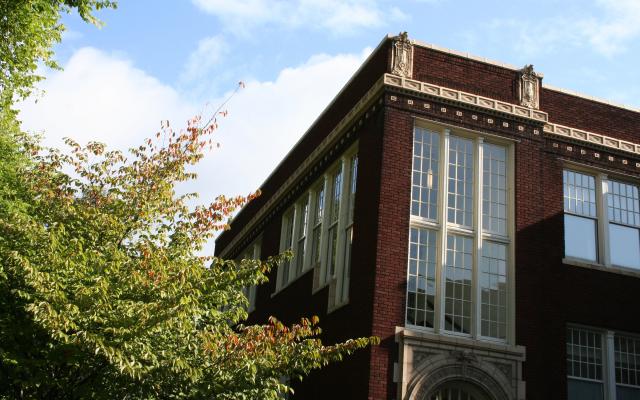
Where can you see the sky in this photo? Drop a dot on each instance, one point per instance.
(159, 60)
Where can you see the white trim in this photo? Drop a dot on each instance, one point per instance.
(592, 138)
(464, 97)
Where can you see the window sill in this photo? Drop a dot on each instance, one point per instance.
(291, 282)
(337, 306)
(576, 262)
(320, 287)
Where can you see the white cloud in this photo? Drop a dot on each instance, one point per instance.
(621, 25)
(207, 55)
(103, 97)
(267, 118)
(337, 16)
(613, 25)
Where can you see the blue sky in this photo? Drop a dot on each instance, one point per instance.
(158, 60)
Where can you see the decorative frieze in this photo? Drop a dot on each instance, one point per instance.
(463, 97)
(593, 138)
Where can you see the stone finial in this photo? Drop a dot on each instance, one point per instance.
(402, 56)
(529, 87)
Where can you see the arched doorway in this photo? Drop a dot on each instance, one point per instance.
(458, 390)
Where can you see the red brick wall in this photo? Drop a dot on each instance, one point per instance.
(577, 112)
(464, 74)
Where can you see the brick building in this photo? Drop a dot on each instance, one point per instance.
(485, 226)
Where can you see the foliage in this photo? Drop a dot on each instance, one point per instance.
(28, 31)
(105, 293)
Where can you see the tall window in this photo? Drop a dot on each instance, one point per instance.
(318, 195)
(251, 252)
(334, 217)
(601, 219)
(459, 242)
(580, 218)
(287, 244)
(584, 364)
(602, 365)
(319, 229)
(348, 230)
(623, 212)
(301, 233)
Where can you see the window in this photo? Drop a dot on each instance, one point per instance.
(251, 252)
(601, 219)
(319, 229)
(602, 365)
(580, 219)
(459, 241)
(286, 244)
(334, 217)
(348, 229)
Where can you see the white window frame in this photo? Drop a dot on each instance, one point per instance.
(607, 338)
(251, 252)
(338, 281)
(442, 228)
(603, 256)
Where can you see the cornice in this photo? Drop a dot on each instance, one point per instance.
(592, 138)
(466, 98)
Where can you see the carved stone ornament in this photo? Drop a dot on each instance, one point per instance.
(529, 87)
(402, 56)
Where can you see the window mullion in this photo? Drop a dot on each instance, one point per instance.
(293, 244)
(342, 223)
(324, 231)
(604, 256)
(442, 209)
(477, 208)
(308, 254)
(609, 366)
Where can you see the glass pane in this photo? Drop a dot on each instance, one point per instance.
(625, 246)
(494, 189)
(623, 204)
(493, 290)
(579, 193)
(352, 185)
(460, 203)
(336, 193)
(580, 237)
(287, 245)
(458, 284)
(627, 360)
(332, 252)
(421, 287)
(584, 390)
(346, 272)
(303, 221)
(426, 147)
(584, 354)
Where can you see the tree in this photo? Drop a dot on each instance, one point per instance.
(105, 294)
(28, 31)
(103, 291)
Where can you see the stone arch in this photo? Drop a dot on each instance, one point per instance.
(433, 372)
